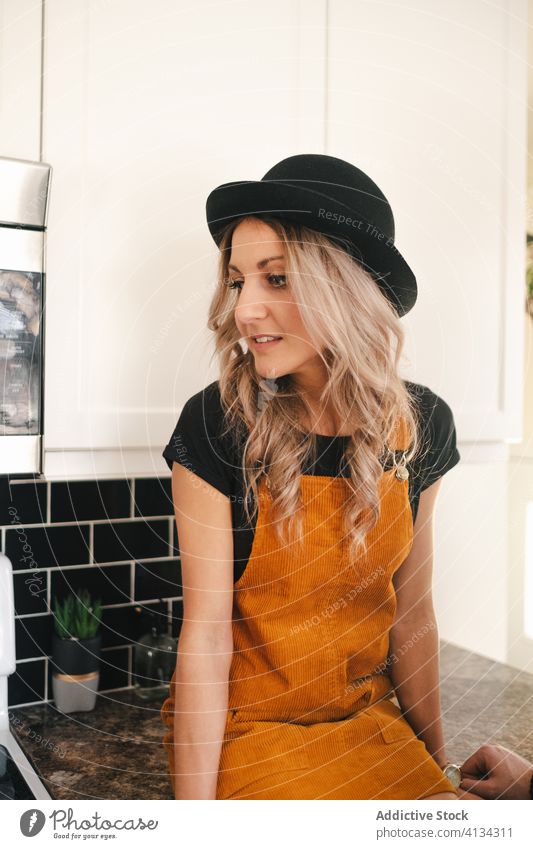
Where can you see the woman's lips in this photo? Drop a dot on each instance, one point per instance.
(264, 345)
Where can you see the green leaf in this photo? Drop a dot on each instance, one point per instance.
(77, 616)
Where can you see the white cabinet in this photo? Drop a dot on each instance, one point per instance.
(431, 98)
(147, 108)
(20, 79)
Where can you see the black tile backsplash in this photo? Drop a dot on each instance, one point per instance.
(157, 580)
(80, 501)
(27, 683)
(114, 669)
(110, 584)
(33, 636)
(148, 615)
(115, 538)
(153, 497)
(41, 548)
(126, 624)
(130, 540)
(31, 592)
(23, 504)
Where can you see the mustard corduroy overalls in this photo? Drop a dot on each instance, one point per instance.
(310, 714)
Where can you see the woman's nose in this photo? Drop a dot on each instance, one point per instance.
(251, 305)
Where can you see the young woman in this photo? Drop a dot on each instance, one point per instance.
(304, 483)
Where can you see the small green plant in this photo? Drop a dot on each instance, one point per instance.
(78, 616)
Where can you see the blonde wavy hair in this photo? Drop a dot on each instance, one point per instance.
(360, 339)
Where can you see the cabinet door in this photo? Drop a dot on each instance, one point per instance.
(20, 78)
(431, 99)
(146, 109)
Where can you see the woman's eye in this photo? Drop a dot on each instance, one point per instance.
(232, 284)
(278, 281)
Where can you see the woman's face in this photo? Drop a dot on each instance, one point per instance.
(265, 307)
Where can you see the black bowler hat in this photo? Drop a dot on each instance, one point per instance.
(331, 196)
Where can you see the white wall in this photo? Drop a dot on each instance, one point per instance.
(520, 470)
(471, 559)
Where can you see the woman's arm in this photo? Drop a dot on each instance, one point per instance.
(414, 638)
(205, 647)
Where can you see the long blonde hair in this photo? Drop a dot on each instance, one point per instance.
(346, 314)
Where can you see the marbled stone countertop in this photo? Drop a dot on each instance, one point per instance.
(112, 752)
(484, 702)
(116, 750)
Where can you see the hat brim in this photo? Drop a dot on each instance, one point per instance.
(370, 247)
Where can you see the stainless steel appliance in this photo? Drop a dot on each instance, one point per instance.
(18, 779)
(24, 193)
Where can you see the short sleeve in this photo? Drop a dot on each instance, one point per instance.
(438, 453)
(197, 442)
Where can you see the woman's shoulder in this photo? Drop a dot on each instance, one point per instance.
(205, 405)
(438, 450)
(432, 408)
(201, 441)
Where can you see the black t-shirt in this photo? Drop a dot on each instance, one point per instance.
(198, 443)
